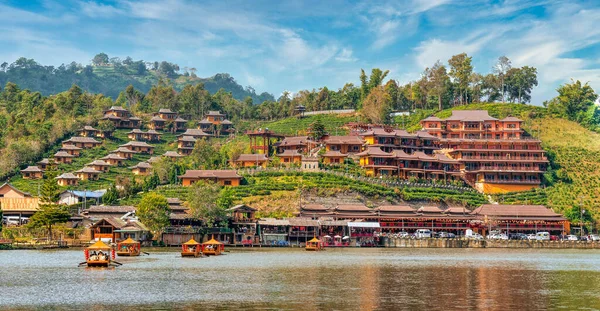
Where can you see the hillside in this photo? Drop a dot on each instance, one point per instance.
(110, 80)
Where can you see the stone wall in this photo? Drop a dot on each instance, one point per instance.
(468, 243)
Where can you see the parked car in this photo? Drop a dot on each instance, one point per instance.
(543, 236)
(571, 237)
(423, 234)
(475, 236)
(593, 237)
(583, 238)
(446, 235)
(518, 236)
(404, 235)
(554, 238)
(11, 220)
(531, 237)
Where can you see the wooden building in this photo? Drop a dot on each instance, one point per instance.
(88, 173)
(264, 141)
(32, 172)
(173, 155)
(63, 157)
(344, 144)
(290, 157)
(222, 177)
(67, 179)
(185, 144)
(152, 135)
(82, 142)
(136, 134)
(114, 159)
(100, 165)
(71, 149)
(121, 118)
(138, 147)
(157, 123)
(519, 218)
(142, 169)
(14, 202)
(302, 144)
(124, 152)
(180, 124)
(166, 114)
(251, 160)
(195, 133)
(213, 121)
(243, 224)
(45, 163)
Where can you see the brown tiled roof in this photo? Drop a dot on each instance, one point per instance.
(375, 151)
(194, 132)
(514, 210)
(432, 118)
(79, 139)
(87, 169)
(165, 110)
(137, 144)
(314, 207)
(136, 131)
(174, 201)
(214, 113)
(352, 208)
(117, 108)
(153, 159)
(395, 209)
(210, 174)
(44, 161)
(470, 115)
(171, 154)
(111, 209)
(67, 176)
(400, 154)
(273, 222)
(512, 119)
(112, 156)
(334, 154)
(252, 157)
(31, 169)
(294, 141)
(425, 135)
(378, 131)
(303, 222)
(99, 163)
(355, 140)
(180, 119)
(69, 147)
(204, 121)
(141, 165)
(457, 210)
(153, 132)
(124, 150)
(187, 138)
(242, 207)
(289, 153)
(63, 154)
(429, 209)
(226, 122)
(157, 118)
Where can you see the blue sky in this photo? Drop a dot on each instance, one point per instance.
(293, 45)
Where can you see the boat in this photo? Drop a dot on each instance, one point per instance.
(99, 255)
(191, 248)
(314, 245)
(129, 247)
(212, 247)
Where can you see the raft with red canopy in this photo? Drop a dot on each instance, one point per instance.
(191, 248)
(99, 255)
(129, 247)
(213, 247)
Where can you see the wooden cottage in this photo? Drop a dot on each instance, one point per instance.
(114, 159)
(71, 149)
(44, 164)
(173, 155)
(87, 173)
(222, 177)
(82, 142)
(32, 172)
(124, 152)
(180, 124)
(152, 135)
(142, 168)
(67, 179)
(166, 114)
(251, 160)
(290, 156)
(88, 131)
(100, 165)
(136, 134)
(139, 147)
(63, 157)
(185, 144)
(196, 133)
(157, 123)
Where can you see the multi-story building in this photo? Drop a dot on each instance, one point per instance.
(214, 119)
(121, 118)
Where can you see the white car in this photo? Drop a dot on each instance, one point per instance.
(531, 237)
(502, 236)
(475, 236)
(423, 234)
(593, 237)
(572, 237)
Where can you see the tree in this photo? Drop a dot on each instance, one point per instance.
(501, 69)
(111, 196)
(317, 129)
(202, 201)
(154, 212)
(460, 71)
(49, 212)
(574, 100)
(205, 156)
(438, 79)
(375, 80)
(520, 83)
(100, 59)
(377, 106)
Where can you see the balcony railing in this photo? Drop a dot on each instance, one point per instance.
(504, 158)
(514, 181)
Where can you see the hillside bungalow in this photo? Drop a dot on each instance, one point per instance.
(32, 172)
(139, 147)
(121, 118)
(298, 143)
(152, 135)
(185, 144)
(124, 152)
(214, 119)
(116, 229)
(251, 160)
(180, 124)
(45, 163)
(82, 142)
(173, 155)
(166, 114)
(72, 150)
(114, 159)
(196, 133)
(67, 179)
(222, 177)
(71, 197)
(157, 123)
(334, 157)
(63, 157)
(344, 144)
(290, 156)
(142, 169)
(87, 173)
(100, 165)
(88, 131)
(136, 134)
(15, 202)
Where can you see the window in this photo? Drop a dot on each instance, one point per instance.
(227, 182)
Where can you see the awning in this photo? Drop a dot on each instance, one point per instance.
(363, 224)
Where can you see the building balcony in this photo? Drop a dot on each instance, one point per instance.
(505, 169)
(512, 181)
(544, 159)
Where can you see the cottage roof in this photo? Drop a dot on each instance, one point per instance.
(214, 113)
(204, 121)
(44, 161)
(174, 201)
(226, 122)
(294, 141)
(425, 135)
(157, 118)
(117, 209)
(210, 174)
(88, 128)
(153, 160)
(123, 150)
(194, 132)
(137, 144)
(379, 131)
(171, 154)
(134, 118)
(23, 193)
(31, 169)
(395, 209)
(63, 154)
(166, 111)
(110, 117)
(400, 154)
(289, 153)
(352, 208)
(88, 170)
(112, 156)
(314, 207)
(153, 132)
(429, 209)
(69, 147)
(117, 108)
(353, 140)
(375, 151)
(458, 210)
(187, 138)
(67, 176)
(273, 222)
(257, 157)
(136, 131)
(511, 119)
(79, 139)
(514, 210)
(180, 119)
(141, 165)
(432, 118)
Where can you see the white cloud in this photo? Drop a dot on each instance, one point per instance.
(94, 9)
(345, 55)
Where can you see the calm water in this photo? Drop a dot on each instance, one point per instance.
(293, 279)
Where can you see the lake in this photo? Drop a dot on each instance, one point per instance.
(293, 279)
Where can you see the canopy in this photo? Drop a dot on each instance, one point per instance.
(191, 242)
(337, 236)
(315, 240)
(327, 237)
(363, 224)
(129, 241)
(212, 242)
(99, 245)
(345, 237)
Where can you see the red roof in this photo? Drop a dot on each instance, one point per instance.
(354, 140)
(375, 152)
(514, 210)
(210, 174)
(259, 157)
(470, 115)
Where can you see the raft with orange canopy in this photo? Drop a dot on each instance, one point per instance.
(129, 247)
(212, 247)
(191, 248)
(314, 245)
(99, 255)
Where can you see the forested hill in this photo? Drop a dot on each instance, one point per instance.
(111, 76)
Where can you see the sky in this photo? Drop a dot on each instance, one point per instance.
(293, 45)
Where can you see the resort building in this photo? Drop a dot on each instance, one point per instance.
(115, 229)
(389, 139)
(344, 144)
(195, 133)
(333, 157)
(180, 124)
(152, 135)
(63, 157)
(166, 114)
(157, 123)
(142, 169)
(295, 143)
(222, 177)
(121, 118)
(71, 197)
(44, 164)
(520, 218)
(138, 147)
(87, 173)
(243, 224)
(89, 131)
(123, 152)
(70, 149)
(173, 155)
(15, 202)
(136, 134)
(82, 142)
(114, 159)
(251, 160)
(264, 141)
(67, 179)
(290, 157)
(32, 172)
(213, 121)
(185, 144)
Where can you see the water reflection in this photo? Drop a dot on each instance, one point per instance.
(348, 279)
